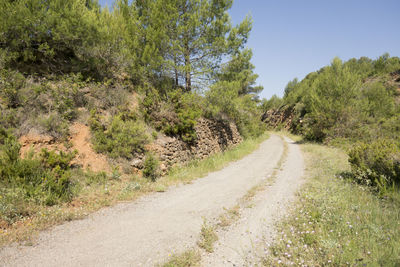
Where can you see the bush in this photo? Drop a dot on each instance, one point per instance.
(151, 167)
(123, 136)
(223, 101)
(11, 83)
(47, 105)
(376, 163)
(54, 125)
(176, 115)
(43, 178)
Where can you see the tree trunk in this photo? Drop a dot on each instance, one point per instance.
(188, 75)
(176, 71)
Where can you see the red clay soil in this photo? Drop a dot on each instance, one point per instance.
(80, 140)
(87, 157)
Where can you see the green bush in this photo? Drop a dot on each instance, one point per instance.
(353, 100)
(151, 168)
(224, 102)
(376, 163)
(123, 136)
(11, 83)
(176, 115)
(43, 178)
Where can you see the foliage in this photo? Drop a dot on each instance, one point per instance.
(46, 105)
(376, 163)
(122, 136)
(223, 100)
(336, 222)
(275, 102)
(42, 179)
(240, 69)
(176, 114)
(341, 99)
(151, 167)
(186, 39)
(347, 103)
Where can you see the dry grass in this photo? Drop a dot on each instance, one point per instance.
(336, 222)
(92, 195)
(188, 258)
(208, 237)
(229, 216)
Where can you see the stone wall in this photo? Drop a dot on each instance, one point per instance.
(282, 117)
(212, 137)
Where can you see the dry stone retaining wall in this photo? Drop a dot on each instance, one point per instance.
(212, 137)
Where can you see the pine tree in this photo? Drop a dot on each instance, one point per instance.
(240, 69)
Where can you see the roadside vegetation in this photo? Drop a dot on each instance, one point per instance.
(354, 105)
(348, 115)
(131, 73)
(337, 221)
(91, 191)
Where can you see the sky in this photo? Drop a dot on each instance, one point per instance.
(291, 38)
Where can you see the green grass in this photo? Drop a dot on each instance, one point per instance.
(336, 222)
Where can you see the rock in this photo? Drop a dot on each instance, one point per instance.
(137, 163)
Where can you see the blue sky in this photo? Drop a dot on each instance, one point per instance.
(291, 38)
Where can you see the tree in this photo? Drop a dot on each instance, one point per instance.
(240, 69)
(187, 39)
(53, 35)
(290, 87)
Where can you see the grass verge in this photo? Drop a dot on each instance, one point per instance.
(97, 191)
(336, 222)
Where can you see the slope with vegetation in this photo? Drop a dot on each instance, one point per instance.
(348, 213)
(133, 73)
(355, 104)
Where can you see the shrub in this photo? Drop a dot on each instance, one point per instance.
(176, 115)
(376, 163)
(123, 136)
(43, 178)
(11, 83)
(151, 167)
(54, 125)
(223, 101)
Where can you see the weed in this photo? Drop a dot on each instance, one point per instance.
(186, 259)
(207, 237)
(229, 216)
(336, 222)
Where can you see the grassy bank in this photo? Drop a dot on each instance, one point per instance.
(337, 222)
(95, 191)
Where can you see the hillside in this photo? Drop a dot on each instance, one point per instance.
(355, 104)
(91, 96)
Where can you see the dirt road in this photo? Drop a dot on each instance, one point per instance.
(145, 232)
